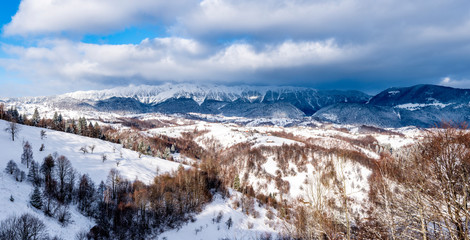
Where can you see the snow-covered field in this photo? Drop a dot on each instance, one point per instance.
(207, 226)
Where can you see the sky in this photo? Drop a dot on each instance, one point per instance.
(51, 47)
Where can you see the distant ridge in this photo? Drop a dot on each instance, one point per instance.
(420, 105)
(291, 102)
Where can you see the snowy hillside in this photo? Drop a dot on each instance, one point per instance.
(68, 145)
(130, 166)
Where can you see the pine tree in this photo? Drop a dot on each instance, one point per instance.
(20, 119)
(167, 153)
(25, 118)
(98, 133)
(56, 116)
(79, 126)
(236, 183)
(36, 118)
(13, 113)
(55, 120)
(11, 167)
(33, 174)
(36, 199)
(27, 155)
(60, 122)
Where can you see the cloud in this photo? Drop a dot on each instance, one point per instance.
(345, 20)
(359, 44)
(167, 60)
(43, 17)
(450, 82)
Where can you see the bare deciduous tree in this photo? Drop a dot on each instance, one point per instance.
(92, 148)
(26, 226)
(43, 134)
(84, 150)
(13, 128)
(63, 174)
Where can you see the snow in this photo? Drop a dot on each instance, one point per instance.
(270, 166)
(68, 145)
(226, 134)
(417, 106)
(20, 192)
(330, 117)
(244, 227)
(130, 165)
(155, 94)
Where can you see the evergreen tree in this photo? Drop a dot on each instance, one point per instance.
(236, 183)
(25, 119)
(36, 198)
(20, 119)
(13, 113)
(91, 130)
(79, 126)
(140, 148)
(166, 154)
(36, 118)
(27, 155)
(55, 118)
(2, 111)
(60, 123)
(11, 167)
(98, 133)
(33, 174)
(55, 121)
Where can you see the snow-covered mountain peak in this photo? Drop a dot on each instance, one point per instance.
(152, 94)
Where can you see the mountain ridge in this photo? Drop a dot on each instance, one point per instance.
(180, 98)
(422, 105)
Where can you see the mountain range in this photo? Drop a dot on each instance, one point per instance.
(420, 105)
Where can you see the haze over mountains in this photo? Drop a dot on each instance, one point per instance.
(420, 105)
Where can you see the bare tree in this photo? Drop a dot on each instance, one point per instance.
(83, 149)
(43, 134)
(27, 156)
(63, 173)
(13, 128)
(26, 226)
(446, 155)
(92, 147)
(113, 180)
